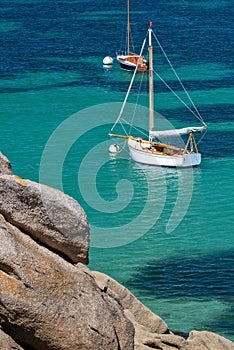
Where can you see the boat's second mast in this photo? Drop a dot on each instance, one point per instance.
(128, 29)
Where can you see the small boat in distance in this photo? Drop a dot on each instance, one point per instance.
(129, 60)
(152, 151)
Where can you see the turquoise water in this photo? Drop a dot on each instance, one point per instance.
(165, 234)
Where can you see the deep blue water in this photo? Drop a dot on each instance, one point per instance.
(51, 69)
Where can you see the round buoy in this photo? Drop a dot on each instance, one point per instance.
(114, 148)
(107, 60)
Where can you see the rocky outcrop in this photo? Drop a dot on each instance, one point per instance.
(208, 341)
(136, 311)
(47, 303)
(5, 165)
(49, 300)
(47, 214)
(145, 340)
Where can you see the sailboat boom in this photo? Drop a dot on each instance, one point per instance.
(177, 132)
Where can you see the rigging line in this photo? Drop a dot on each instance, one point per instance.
(165, 83)
(135, 128)
(165, 55)
(174, 71)
(201, 138)
(129, 88)
(131, 40)
(123, 32)
(126, 133)
(123, 147)
(126, 44)
(137, 99)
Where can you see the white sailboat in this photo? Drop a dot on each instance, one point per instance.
(130, 60)
(152, 151)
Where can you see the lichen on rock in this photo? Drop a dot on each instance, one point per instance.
(48, 215)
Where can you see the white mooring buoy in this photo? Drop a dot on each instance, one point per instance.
(114, 149)
(107, 60)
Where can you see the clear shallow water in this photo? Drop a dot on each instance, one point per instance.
(165, 234)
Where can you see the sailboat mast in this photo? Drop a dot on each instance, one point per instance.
(151, 103)
(128, 27)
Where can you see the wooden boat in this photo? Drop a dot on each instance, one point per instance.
(153, 151)
(129, 60)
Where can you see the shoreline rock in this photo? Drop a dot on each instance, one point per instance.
(47, 214)
(5, 165)
(48, 303)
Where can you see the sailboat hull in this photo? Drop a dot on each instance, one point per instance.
(157, 159)
(129, 62)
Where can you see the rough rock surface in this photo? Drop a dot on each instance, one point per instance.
(137, 312)
(47, 303)
(7, 343)
(145, 340)
(208, 341)
(5, 165)
(49, 215)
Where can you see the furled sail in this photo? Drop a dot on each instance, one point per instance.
(176, 132)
